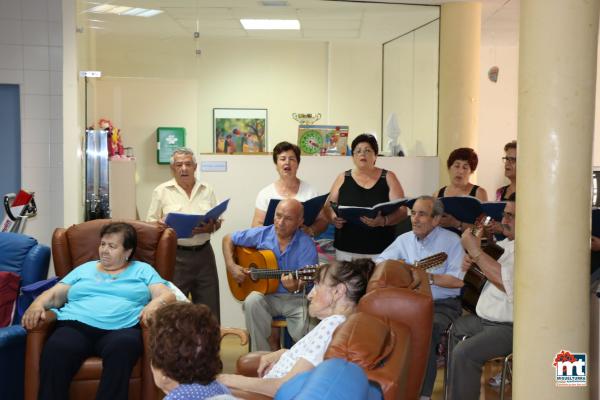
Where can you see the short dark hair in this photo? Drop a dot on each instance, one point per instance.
(285, 146)
(365, 138)
(128, 231)
(464, 153)
(354, 274)
(185, 341)
(510, 145)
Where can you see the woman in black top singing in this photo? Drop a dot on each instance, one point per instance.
(364, 186)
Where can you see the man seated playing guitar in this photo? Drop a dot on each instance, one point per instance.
(481, 337)
(293, 249)
(425, 239)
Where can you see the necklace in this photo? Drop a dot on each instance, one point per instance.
(112, 274)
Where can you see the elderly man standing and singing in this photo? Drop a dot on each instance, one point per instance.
(195, 269)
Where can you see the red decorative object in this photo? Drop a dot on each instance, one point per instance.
(115, 144)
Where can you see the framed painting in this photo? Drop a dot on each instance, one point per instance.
(239, 130)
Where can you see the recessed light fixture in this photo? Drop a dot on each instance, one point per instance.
(123, 10)
(274, 3)
(270, 24)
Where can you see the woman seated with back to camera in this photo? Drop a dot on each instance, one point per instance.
(185, 341)
(461, 163)
(99, 305)
(337, 290)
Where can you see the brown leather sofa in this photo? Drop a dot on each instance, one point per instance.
(72, 247)
(388, 336)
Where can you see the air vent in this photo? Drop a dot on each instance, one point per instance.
(274, 3)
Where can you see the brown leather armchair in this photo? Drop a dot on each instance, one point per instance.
(72, 247)
(388, 336)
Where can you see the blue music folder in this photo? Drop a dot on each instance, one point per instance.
(184, 223)
(468, 208)
(352, 214)
(596, 222)
(312, 208)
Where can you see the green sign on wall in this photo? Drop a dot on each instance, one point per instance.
(167, 140)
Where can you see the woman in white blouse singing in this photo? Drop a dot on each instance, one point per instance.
(338, 288)
(286, 157)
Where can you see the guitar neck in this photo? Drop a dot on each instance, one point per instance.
(271, 273)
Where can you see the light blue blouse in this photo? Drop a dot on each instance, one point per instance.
(108, 301)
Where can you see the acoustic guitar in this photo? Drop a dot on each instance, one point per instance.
(475, 279)
(264, 273)
(430, 262)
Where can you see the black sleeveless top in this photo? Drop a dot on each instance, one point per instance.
(501, 193)
(362, 239)
(472, 193)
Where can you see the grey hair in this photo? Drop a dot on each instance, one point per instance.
(182, 150)
(438, 206)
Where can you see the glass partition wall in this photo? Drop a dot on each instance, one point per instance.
(410, 91)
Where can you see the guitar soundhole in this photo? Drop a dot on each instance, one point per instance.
(252, 267)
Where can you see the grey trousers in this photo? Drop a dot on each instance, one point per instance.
(259, 310)
(486, 340)
(196, 275)
(445, 311)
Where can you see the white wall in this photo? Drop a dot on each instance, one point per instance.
(354, 95)
(138, 106)
(31, 56)
(497, 115)
(281, 76)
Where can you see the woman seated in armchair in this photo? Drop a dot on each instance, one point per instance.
(98, 306)
(337, 290)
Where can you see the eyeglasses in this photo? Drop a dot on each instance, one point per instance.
(511, 160)
(508, 216)
(363, 151)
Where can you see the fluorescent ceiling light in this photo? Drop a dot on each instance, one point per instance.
(149, 13)
(123, 10)
(102, 8)
(282, 24)
(135, 11)
(119, 9)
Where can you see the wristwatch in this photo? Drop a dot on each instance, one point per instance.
(430, 276)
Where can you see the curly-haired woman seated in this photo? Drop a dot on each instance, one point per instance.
(185, 341)
(338, 288)
(99, 306)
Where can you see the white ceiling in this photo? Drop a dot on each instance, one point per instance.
(376, 20)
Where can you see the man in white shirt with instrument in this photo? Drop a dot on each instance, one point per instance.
(479, 338)
(293, 250)
(426, 239)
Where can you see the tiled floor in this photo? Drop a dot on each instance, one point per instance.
(231, 350)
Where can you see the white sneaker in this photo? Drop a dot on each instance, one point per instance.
(424, 398)
(496, 380)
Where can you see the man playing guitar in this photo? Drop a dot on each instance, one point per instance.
(293, 249)
(488, 334)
